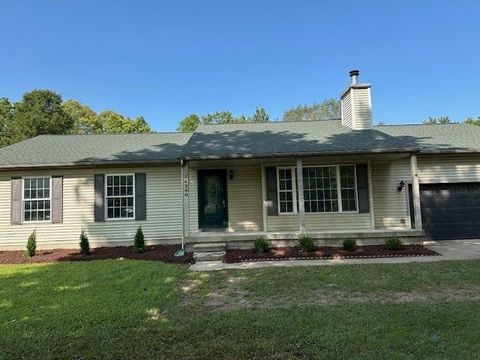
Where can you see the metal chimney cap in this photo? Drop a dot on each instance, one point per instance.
(354, 72)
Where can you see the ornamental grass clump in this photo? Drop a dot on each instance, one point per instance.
(262, 244)
(31, 244)
(394, 243)
(139, 241)
(305, 243)
(349, 244)
(84, 244)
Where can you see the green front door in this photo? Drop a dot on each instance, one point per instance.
(212, 199)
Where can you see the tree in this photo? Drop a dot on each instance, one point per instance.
(260, 115)
(472, 121)
(219, 117)
(6, 114)
(189, 124)
(85, 119)
(328, 109)
(40, 112)
(442, 120)
(115, 123)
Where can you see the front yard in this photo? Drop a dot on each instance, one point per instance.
(143, 309)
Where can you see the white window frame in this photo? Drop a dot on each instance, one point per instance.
(339, 189)
(294, 190)
(106, 197)
(49, 177)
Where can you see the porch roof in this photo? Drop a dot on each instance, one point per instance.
(290, 138)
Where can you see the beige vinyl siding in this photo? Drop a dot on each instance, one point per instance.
(362, 108)
(245, 199)
(320, 222)
(347, 116)
(193, 199)
(389, 204)
(449, 168)
(164, 214)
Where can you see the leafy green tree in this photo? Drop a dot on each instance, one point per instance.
(189, 124)
(472, 121)
(115, 123)
(40, 112)
(86, 120)
(442, 120)
(219, 117)
(6, 114)
(328, 109)
(260, 115)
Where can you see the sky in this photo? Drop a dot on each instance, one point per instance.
(165, 60)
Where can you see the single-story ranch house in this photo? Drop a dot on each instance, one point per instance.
(232, 183)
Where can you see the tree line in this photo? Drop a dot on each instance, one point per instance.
(328, 109)
(43, 112)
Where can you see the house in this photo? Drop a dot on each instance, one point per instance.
(331, 179)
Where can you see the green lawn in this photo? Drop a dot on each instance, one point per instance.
(140, 309)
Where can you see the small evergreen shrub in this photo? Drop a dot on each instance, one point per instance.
(139, 241)
(394, 243)
(349, 244)
(84, 244)
(31, 244)
(305, 243)
(262, 244)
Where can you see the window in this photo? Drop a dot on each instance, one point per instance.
(287, 194)
(36, 199)
(120, 196)
(320, 190)
(348, 188)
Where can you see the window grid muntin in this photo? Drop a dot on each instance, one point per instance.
(348, 188)
(287, 190)
(120, 196)
(36, 199)
(320, 189)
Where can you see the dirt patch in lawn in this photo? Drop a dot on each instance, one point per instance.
(164, 253)
(231, 295)
(327, 252)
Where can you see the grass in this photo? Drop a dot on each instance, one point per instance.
(140, 309)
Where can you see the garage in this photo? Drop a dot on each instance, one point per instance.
(451, 211)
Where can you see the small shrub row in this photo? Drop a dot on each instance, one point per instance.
(138, 243)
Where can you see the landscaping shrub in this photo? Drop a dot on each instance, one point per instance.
(262, 244)
(139, 242)
(394, 244)
(31, 244)
(349, 244)
(305, 243)
(84, 244)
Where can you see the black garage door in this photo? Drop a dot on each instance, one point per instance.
(451, 211)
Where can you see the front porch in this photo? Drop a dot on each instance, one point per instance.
(246, 239)
(252, 203)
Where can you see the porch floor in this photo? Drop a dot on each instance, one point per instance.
(245, 239)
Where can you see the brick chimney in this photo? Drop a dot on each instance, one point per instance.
(357, 104)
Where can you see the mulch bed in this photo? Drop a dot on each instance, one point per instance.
(327, 252)
(163, 253)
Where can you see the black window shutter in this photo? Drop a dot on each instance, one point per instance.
(140, 196)
(57, 199)
(272, 196)
(99, 211)
(16, 201)
(362, 188)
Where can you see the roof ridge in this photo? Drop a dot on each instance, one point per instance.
(391, 125)
(273, 122)
(119, 134)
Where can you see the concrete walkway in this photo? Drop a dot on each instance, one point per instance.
(449, 250)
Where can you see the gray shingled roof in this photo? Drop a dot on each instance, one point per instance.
(284, 138)
(62, 150)
(449, 138)
(239, 140)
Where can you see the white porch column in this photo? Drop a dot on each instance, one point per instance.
(416, 192)
(185, 199)
(301, 203)
(264, 198)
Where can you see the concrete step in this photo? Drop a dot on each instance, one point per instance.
(209, 256)
(209, 247)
